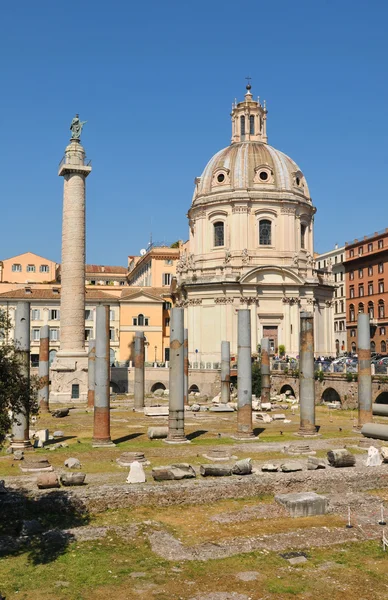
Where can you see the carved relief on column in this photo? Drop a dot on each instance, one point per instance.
(245, 256)
(287, 210)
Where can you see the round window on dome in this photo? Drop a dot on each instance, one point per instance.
(220, 178)
(263, 175)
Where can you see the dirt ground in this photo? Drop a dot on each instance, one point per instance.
(204, 545)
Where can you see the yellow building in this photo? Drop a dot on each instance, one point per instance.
(145, 309)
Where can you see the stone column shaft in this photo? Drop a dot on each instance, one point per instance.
(73, 264)
(176, 418)
(186, 367)
(101, 433)
(244, 374)
(265, 371)
(225, 372)
(21, 426)
(139, 371)
(365, 414)
(43, 392)
(91, 372)
(306, 375)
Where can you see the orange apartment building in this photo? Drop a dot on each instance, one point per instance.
(366, 276)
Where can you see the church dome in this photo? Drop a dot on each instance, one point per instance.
(251, 165)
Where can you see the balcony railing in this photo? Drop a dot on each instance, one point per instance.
(66, 160)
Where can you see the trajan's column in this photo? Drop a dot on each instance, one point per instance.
(69, 371)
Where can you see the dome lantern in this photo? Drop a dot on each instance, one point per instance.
(249, 120)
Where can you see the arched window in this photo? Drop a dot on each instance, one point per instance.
(383, 347)
(140, 320)
(354, 348)
(372, 347)
(242, 127)
(381, 309)
(303, 235)
(371, 310)
(252, 125)
(351, 313)
(265, 232)
(219, 237)
(360, 307)
(335, 326)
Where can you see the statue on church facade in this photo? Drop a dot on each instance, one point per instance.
(76, 128)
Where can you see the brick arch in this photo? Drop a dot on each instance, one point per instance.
(157, 386)
(287, 387)
(381, 397)
(330, 394)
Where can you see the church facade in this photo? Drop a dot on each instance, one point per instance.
(251, 246)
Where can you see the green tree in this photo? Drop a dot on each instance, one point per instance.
(16, 391)
(175, 244)
(256, 379)
(282, 349)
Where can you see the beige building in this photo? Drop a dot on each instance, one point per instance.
(251, 246)
(332, 262)
(45, 310)
(27, 268)
(155, 267)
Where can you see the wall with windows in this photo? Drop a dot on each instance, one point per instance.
(333, 262)
(366, 265)
(27, 267)
(156, 268)
(148, 313)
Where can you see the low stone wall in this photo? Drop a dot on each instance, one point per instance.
(326, 481)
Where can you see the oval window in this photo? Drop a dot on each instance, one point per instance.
(263, 175)
(220, 178)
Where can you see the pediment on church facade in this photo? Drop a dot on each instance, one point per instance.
(141, 297)
(272, 275)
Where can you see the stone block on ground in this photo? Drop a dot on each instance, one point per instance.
(384, 453)
(136, 473)
(315, 463)
(217, 453)
(374, 458)
(42, 435)
(221, 408)
(18, 455)
(341, 458)
(127, 458)
(266, 406)
(303, 504)
(195, 408)
(270, 468)
(157, 433)
(291, 467)
(264, 417)
(72, 463)
(215, 470)
(158, 393)
(47, 480)
(297, 560)
(156, 411)
(278, 416)
(35, 465)
(58, 433)
(38, 444)
(243, 467)
(70, 479)
(60, 413)
(173, 472)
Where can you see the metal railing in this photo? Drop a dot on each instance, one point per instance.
(66, 160)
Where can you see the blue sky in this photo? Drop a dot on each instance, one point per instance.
(155, 81)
